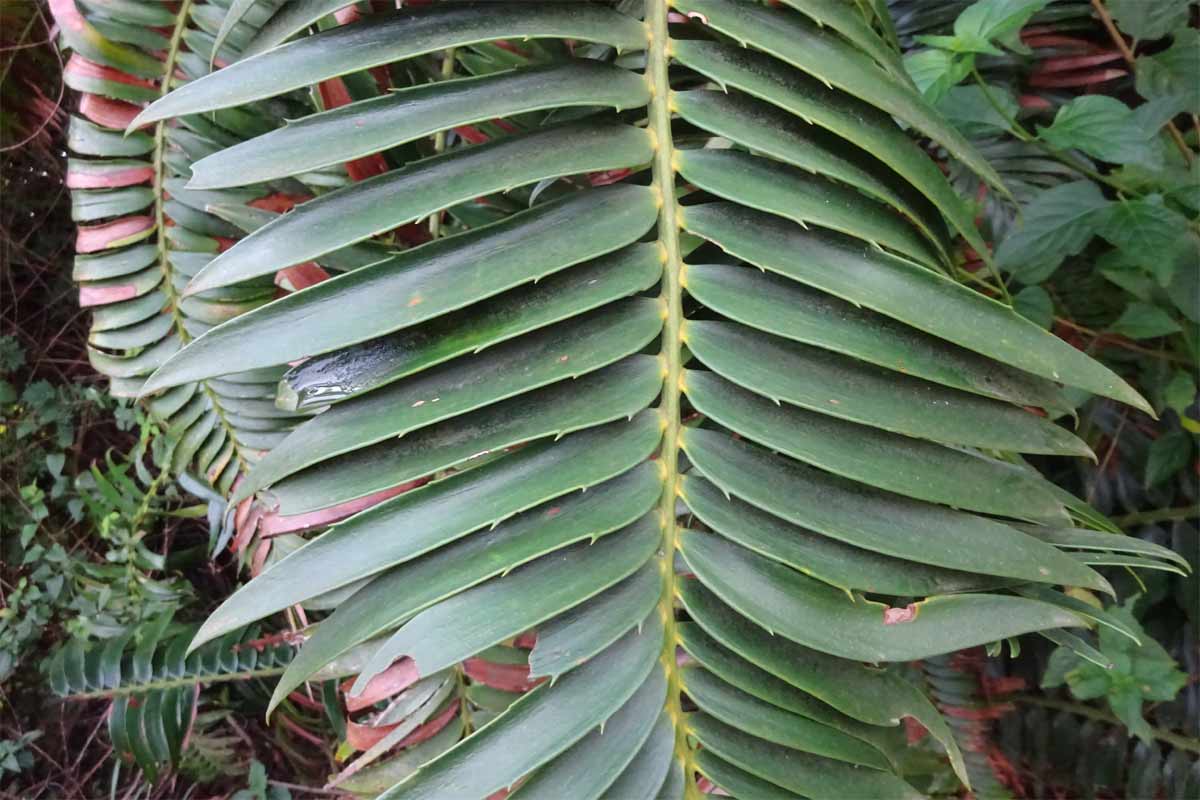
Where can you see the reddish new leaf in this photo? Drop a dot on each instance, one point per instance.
(391, 681)
(103, 295)
(107, 113)
(93, 238)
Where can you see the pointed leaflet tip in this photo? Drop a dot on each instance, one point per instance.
(210, 275)
(154, 383)
(1122, 392)
(1134, 398)
(196, 181)
(143, 119)
(206, 174)
(191, 289)
(206, 633)
(1102, 585)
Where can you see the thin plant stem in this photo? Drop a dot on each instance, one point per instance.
(1157, 515)
(62, 85)
(1178, 741)
(1104, 338)
(1108, 454)
(1131, 60)
(1025, 136)
(174, 683)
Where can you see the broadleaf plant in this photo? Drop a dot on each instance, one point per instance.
(1141, 670)
(674, 435)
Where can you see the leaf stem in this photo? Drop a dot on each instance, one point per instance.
(1178, 741)
(1102, 338)
(1157, 515)
(159, 162)
(1014, 126)
(1131, 60)
(1025, 136)
(671, 298)
(175, 683)
(160, 130)
(164, 262)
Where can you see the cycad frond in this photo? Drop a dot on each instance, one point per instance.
(718, 300)
(153, 683)
(143, 235)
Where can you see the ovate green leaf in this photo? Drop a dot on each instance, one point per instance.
(1152, 234)
(1168, 454)
(1058, 223)
(1102, 127)
(1180, 392)
(1034, 303)
(987, 22)
(935, 71)
(1149, 19)
(994, 20)
(970, 110)
(1140, 672)
(1172, 73)
(1144, 321)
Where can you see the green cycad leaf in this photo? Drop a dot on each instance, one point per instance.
(775, 132)
(532, 731)
(907, 466)
(814, 379)
(504, 607)
(418, 583)
(153, 686)
(769, 186)
(386, 201)
(440, 513)
(863, 125)
(143, 234)
(380, 41)
(428, 281)
(899, 289)
(833, 60)
(372, 125)
(797, 771)
(734, 707)
(875, 520)
(789, 603)
(578, 485)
